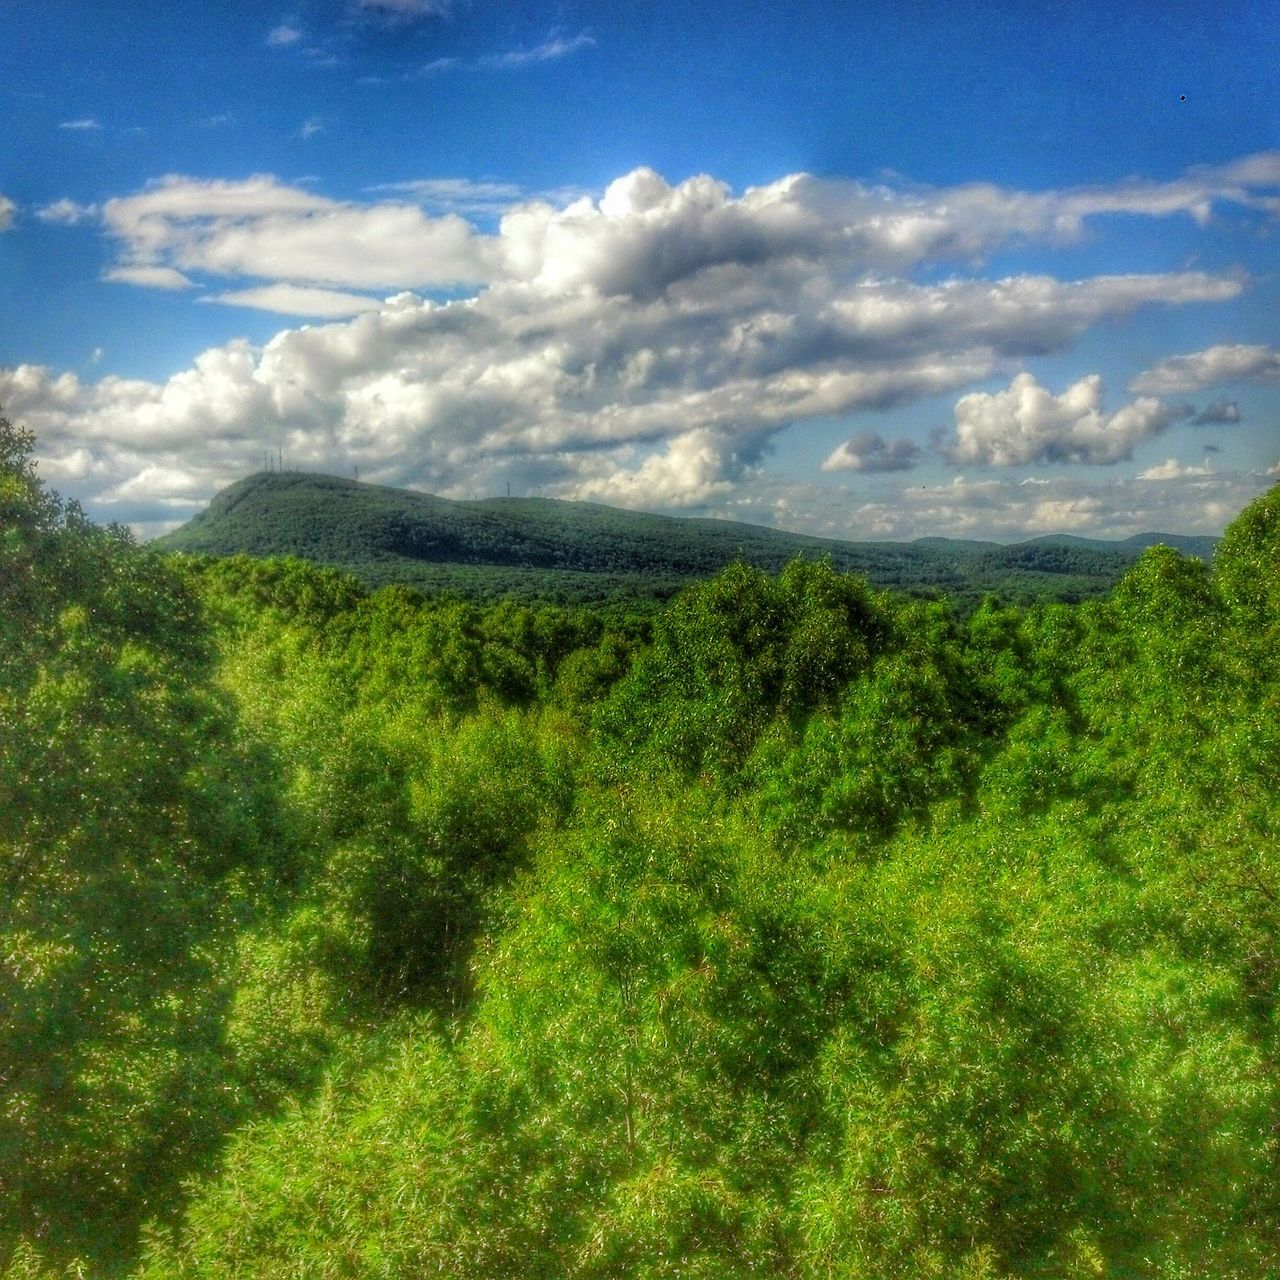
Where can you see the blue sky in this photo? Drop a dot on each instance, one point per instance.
(865, 270)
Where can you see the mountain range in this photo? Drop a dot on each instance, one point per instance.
(576, 551)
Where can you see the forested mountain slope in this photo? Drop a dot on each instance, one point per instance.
(798, 929)
(544, 548)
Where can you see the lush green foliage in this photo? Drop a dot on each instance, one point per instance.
(541, 549)
(798, 929)
(122, 822)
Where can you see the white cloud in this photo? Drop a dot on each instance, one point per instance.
(646, 235)
(311, 126)
(7, 211)
(1172, 469)
(32, 388)
(643, 238)
(1026, 424)
(548, 51)
(1004, 508)
(259, 227)
(168, 485)
(692, 470)
(868, 451)
(285, 34)
(1178, 375)
(67, 213)
(643, 347)
(87, 124)
(1180, 500)
(297, 300)
(148, 277)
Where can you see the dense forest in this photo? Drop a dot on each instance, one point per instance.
(797, 929)
(543, 550)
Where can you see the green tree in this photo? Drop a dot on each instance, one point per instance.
(119, 817)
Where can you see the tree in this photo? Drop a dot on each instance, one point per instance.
(118, 817)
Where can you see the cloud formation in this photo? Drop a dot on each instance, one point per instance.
(641, 348)
(868, 451)
(1166, 499)
(1026, 424)
(261, 228)
(7, 211)
(86, 124)
(1215, 365)
(67, 213)
(692, 469)
(643, 237)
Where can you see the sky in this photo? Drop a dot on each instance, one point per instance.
(861, 269)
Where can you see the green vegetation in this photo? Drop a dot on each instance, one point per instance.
(798, 928)
(578, 552)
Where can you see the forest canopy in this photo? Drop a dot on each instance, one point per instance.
(798, 928)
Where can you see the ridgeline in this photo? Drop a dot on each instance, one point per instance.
(550, 549)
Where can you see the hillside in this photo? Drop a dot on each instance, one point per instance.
(578, 550)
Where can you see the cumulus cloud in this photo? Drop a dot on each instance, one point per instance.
(642, 347)
(1227, 363)
(868, 451)
(645, 235)
(691, 470)
(1222, 412)
(1027, 423)
(643, 238)
(7, 211)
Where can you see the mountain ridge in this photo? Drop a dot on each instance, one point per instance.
(562, 548)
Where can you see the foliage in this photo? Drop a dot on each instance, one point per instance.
(540, 549)
(794, 929)
(122, 819)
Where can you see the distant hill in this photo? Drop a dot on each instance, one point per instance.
(552, 549)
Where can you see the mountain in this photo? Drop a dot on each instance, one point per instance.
(1200, 545)
(544, 547)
